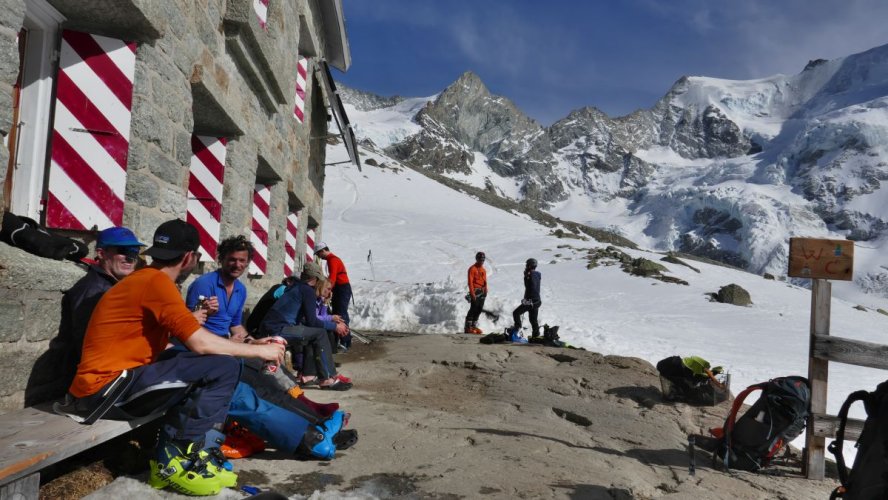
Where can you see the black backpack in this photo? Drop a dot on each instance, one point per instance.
(869, 474)
(31, 237)
(779, 416)
(254, 320)
(680, 383)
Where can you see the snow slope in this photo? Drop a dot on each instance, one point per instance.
(407, 242)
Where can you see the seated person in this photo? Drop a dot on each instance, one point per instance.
(224, 297)
(294, 318)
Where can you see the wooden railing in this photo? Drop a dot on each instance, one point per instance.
(823, 349)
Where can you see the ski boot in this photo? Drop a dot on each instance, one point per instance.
(190, 472)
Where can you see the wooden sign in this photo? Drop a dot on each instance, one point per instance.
(818, 258)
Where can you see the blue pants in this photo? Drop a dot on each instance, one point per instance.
(162, 384)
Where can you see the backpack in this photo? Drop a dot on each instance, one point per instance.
(750, 442)
(31, 237)
(869, 474)
(678, 382)
(254, 320)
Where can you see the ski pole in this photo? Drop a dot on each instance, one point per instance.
(360, 337)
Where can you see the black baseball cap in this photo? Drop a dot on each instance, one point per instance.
(173, 239)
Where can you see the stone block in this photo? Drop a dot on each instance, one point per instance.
(42, 317)
(142, 189)
(12, 15)
(165, 166)
(151, 125)
(12, 316)
(172, 200)
(15, 368)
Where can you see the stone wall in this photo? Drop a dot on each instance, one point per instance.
(203, 67)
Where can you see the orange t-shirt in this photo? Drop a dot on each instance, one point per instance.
(130, 327)
(477, 278)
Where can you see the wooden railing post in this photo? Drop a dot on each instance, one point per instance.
(818, 373)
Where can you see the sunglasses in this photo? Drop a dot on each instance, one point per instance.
(130, 254)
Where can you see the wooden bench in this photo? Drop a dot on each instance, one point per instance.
(34, 438)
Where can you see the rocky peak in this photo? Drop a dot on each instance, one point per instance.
(366, 101)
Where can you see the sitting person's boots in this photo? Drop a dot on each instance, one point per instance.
(190, 471)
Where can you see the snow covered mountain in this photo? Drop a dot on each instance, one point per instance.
(719, 168)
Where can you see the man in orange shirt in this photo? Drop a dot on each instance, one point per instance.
(126, 371)
(477, 293)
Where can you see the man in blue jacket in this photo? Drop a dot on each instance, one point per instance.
(294, 317)
(117, 250)
(531, 302)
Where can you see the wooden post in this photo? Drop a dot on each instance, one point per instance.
(818, 373)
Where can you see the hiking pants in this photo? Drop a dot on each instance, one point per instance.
(317, 347)
(195, 388)
(342, 295)
(273, 387)
(309, 360)
(475, 310)
(533, 309)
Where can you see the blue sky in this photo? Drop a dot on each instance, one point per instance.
(617, 55)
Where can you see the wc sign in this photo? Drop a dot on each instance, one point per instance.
(818, 258)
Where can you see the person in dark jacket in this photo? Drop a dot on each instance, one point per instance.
(117, 251)
(294, 317)
(531, 302)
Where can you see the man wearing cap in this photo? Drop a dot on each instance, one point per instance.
(117, 250)
(126, 371)
(342, 291)
(294, 317)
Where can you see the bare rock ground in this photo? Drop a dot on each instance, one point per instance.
(443, 416)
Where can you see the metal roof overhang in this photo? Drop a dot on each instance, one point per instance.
(345, 129)
(337, 51)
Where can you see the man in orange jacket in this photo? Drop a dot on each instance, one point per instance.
(342, 291)
(477, 293)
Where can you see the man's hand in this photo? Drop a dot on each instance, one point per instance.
(211, 305)
(268, 350)
(341, 329)
(200, 315)
(337, 318)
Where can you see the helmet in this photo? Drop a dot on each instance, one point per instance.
(531, 263)
(480, 256)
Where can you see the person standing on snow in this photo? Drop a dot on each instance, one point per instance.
(477, 293)
(342, 291)
(531, 302)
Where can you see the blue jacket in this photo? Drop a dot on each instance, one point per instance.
(296, 307)
(532, 285)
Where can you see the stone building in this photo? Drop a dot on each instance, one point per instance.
(133, 112)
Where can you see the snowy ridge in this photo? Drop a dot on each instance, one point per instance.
(720, 168)
(407, 242)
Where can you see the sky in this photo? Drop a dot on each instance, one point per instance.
(556, 56)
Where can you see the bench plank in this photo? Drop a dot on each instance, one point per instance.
(34, 438)
(828, 425)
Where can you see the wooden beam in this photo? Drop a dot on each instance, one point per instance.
(826, 426)
(850, 351)
(818, 374)
(34, 438)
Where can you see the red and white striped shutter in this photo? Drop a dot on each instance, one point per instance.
(91, 130)
(261, 9)
(309, 245)
(290, 244)
(205, 191)
(301, 85)
(259, 234)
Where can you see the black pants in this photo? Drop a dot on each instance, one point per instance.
(342, 295)
(533, 309)
(475, 309)
(317, 347)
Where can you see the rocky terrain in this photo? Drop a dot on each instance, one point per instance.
(442, 416)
